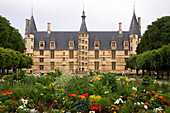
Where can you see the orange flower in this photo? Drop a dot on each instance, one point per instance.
(73, 95)
(154, 92)
(148, 92)
(82, 97)
(160, 97)
(117, 108)
(112, 109)
(146, 103)
(109, 107)
(28, 97)
(143, 110)
(10, 93)
(128, 97)
(156, 95)
(133, 95)
(4, 93)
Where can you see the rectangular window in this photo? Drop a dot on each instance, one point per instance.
(126, 44)
(71, 54)
(96, 54)
(126, 52)
(41, 44)
(52, 44)
(113, 44)
(52, 65)
(96, 65)
(32, 47)
(41, 52)
(41, 67)
(63, 53)
(41, 59)
(63, 59)
(71, 44)
(113, 65)
(96, 44)
(52, 54)
(32, 40)
(71, 66)
(113, 54)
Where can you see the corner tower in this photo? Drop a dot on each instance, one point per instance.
(83, 47)
(30, 30)
(135, 34)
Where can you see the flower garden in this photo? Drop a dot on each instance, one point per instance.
(95, 93)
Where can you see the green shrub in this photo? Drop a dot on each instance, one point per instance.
(18, 92)
(146, 80)
(104, 103)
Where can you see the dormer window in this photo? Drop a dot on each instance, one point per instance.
(71, 44)
(96, 44)
(113, 45)
(41, 44)
(52, 44)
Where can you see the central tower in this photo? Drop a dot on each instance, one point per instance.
(83, 46)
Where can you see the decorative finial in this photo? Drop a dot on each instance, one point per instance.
(134, 7)
(32, 9)
(83, 6)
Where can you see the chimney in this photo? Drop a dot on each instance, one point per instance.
(120, 28)
(27, 23)
(49, 29)
(139, 22)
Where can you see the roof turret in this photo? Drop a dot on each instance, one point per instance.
(31, 27)
(83, 28)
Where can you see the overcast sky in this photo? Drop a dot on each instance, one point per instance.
(65, 15)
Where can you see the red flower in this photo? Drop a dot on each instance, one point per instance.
(154, 92)
(52, 106)
(143, 95)
(164, 100)
(86, 95)
(77, 91)
(9, 91)
(92, 108)
(100, 108)
(70, 95)
(128, 97)
(28, 98)
(133, 95)
(4, 92)
(95, 104)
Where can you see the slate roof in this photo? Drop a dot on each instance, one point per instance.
(134, 27)
(62, 39)
(83, 28)
(31, 27)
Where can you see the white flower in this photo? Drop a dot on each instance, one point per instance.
(118, 100)
(106, 92)
(138, 103)
(20, 107)
(145, 106)
(142, 103)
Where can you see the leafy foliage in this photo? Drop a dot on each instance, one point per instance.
(156, 35)
(10, 37)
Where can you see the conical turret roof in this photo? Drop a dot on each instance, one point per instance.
(83, 28)
(31, 27)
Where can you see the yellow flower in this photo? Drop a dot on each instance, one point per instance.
(63, 111)
(134, 88)
(55, 100)
(52, 84)
(152, 99)
(66, 99)
(112, 109)
(114, 112)
(97, 79)
(127, 80)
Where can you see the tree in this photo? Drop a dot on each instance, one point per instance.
(155, 36)
(10, 37)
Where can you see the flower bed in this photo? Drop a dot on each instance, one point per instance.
(96, 92)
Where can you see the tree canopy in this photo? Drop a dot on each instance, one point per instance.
(155, 60)
(10, 37)
(10, 59)
(156, 35)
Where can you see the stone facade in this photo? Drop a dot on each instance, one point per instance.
(83, 50)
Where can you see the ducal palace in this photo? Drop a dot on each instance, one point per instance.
(82, 50)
